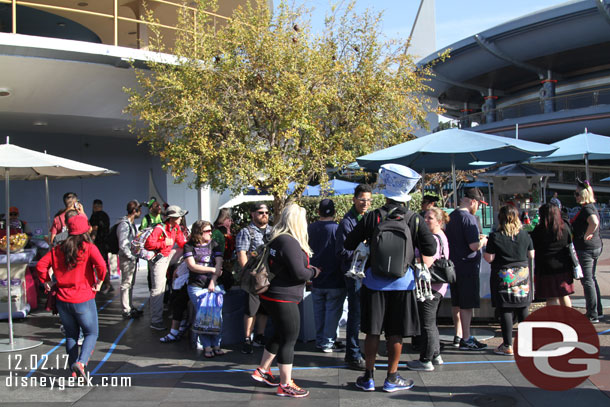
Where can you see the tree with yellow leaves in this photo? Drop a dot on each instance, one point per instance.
(262, 100)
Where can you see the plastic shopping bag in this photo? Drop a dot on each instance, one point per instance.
(208, 319)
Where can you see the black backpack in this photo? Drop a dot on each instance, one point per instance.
(392, 244)
(112, 240)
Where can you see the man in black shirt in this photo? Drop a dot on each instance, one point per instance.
(388, 304)
(100, 228)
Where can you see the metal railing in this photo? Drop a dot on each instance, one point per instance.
(114, 17)
(570, 101)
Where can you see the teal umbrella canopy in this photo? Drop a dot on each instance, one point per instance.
(593, 146)
(437, 151)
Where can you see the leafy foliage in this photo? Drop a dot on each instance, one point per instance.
(263, 101)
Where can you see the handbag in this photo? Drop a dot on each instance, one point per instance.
(443, 269)
(256, 275)
(208, 319)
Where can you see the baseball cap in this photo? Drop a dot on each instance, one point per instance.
(258, 205)
(476, 194)
(327, 207)
(78, 224)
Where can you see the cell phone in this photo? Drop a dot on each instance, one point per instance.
(157, 257)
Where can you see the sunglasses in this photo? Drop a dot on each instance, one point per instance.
(263, 213)
(13, 214)
(207, 231)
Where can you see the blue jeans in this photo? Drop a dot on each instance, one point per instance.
(74, 317)
(352, 351)
(205, 341)
(593, 299)
(327, 310)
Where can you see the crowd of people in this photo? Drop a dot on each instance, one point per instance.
(186, 265)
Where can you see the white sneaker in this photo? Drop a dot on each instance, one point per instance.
(419, 365)
(437, 360)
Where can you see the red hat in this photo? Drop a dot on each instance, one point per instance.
(77, 225)
(13, 209)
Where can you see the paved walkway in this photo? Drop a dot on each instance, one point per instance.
(174, 374)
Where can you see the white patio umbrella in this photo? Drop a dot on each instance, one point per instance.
(20, 163)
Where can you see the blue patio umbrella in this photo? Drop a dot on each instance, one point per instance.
(453, 149)
(339, 187)
(585, 146)
(309, 190)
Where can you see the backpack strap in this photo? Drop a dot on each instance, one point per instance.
(440, 241)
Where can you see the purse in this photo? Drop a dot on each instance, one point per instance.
(443, 269)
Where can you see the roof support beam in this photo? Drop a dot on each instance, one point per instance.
(483, 91)
(495, 51)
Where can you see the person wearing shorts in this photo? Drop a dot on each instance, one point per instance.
(246, 242)
(465, 242)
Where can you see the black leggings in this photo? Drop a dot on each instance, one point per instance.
(506, 321)
(286, 320)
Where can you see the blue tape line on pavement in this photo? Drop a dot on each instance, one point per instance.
(294, 368)
(114, 344)
(604, 332)
(42, 359)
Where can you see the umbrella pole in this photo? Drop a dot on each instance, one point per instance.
(423, 181)
(11, 345)
(46, 192)
(453, 181)
(7, 225)
(587, 167)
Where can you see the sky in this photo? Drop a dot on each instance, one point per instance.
(455, 19)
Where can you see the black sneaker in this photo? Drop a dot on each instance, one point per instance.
(137, 312)
(265, 377)
(472, 344)
(158, 326)
(127, 315)
(247, 347)
(456, 341)
(259, 341)
(355, 364)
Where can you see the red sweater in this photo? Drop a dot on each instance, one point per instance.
(156, 240)
(75, 285)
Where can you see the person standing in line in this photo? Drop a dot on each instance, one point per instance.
(555, 200)
(152, 218)
(126, 232)
(553, 271)
(162, 240)
(203, 257)
(388, 303)
(428, 202)
(361, 203)
(508, 250)
(465, 243)
(429, 344)
(588, 245)
(328, 291)
(289, 262)
(78, 269)
(248, 240)
(59, 228)
(100, 228)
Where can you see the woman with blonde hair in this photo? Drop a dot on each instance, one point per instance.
(508, 249)
(588, 245)
(289, 262)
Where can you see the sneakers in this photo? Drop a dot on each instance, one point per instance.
(504, 350)
(291, 390)
(472, 344)
(265, 377)
(355, 364)
(247, 349)
(398, 384)
(437, 360)
(259, 341)
(337, 346)
(365, 384)
(419, 365)
(456, 341)
(79, 369)
(157, 326)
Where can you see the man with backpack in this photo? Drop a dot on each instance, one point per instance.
(126, 231)
(247, 241)
(387, 299)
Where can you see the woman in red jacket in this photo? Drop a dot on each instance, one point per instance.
(79, 270)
